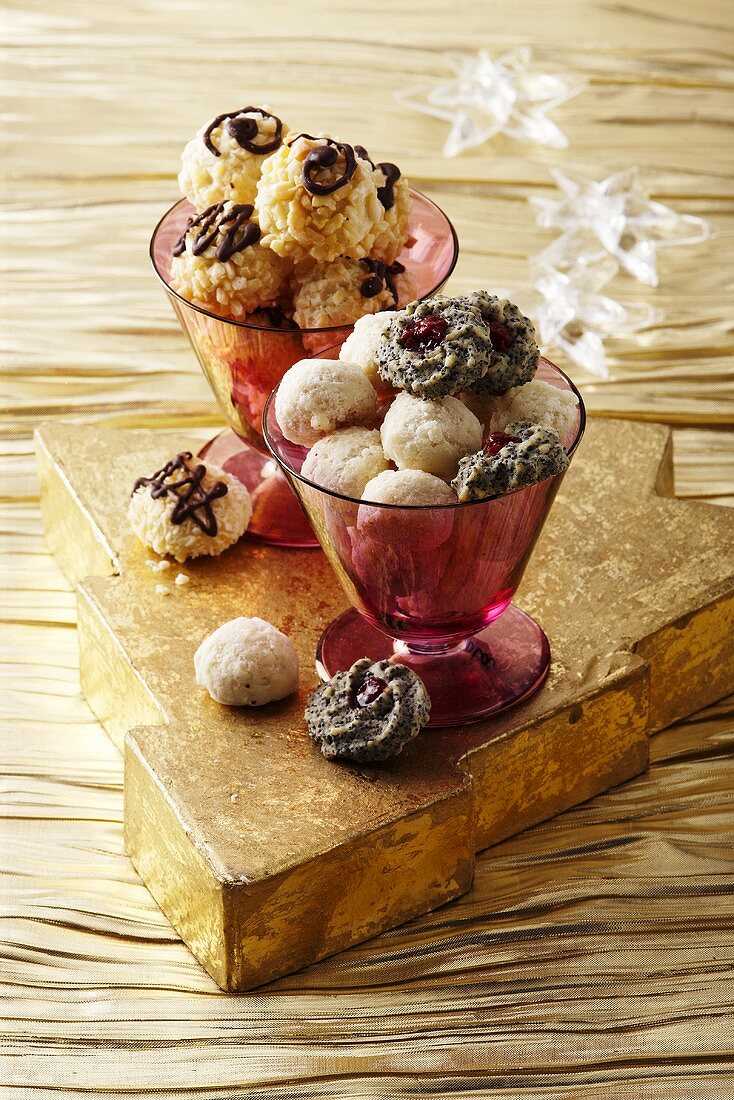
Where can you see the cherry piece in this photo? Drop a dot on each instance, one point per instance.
(424, 333)
(371, 689)
(502, 338)
(496, 441)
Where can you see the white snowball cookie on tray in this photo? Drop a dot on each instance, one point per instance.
(204, 528)
(318, 396)
(247, 663)
(361, 344)
(430, 435)
(540, 403)
(346, 461)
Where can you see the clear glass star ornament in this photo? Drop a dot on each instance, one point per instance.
(616, 216)
(571, 313)
(486, 97)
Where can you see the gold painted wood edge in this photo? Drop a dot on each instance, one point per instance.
(74, 538)
(108, 676)
(248, 933)
(691, 661)
(177, 875)
(551, 757)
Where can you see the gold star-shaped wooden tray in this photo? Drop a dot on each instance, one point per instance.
(264, 856)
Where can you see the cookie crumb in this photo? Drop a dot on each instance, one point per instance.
(161, 590)
(182, 578)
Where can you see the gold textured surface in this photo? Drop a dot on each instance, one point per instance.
(266, 857)
(593, 956)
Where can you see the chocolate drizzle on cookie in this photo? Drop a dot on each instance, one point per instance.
(325, 156)
(193, 501)
(236, 230)
(278, 318)
(386, 193)
(244, 130)
(391, 172)
(362, 152)
(381, 277)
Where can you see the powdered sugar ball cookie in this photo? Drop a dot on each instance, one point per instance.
(346, 461)
(360, 346)
(225, 158)
(189, 508)
(429, 435)
(317, 396)
(515, 356)
(523, 455)
(219, 262)
(246, 663)
(540, 403)
(340, 292)
(406, 530)
(317, 199)
(408, 488)
(435, 347)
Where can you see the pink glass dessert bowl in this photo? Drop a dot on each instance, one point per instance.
(243, 362)
(431, 586)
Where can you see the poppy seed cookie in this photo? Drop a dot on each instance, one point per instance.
(515, 355)
(520, 456)
(368, 713)
(436, 347)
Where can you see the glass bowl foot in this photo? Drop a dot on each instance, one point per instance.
(481, 676)
(277, 517)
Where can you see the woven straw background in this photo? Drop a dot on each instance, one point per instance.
(594, 956)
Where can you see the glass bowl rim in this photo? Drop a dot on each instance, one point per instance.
(423, 507)
(266, 328)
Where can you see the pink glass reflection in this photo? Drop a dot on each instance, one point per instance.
(244, 362)
(432, 577)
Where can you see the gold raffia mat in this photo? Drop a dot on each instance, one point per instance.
(593, 956)
(264, 856)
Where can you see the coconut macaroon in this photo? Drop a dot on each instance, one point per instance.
(189, 508)
(225, 159)
(317, 199)
(346, 461)
(317, 396)
(429, 435)
(540, 403)
(220, 263)
(392, 232)
(360, 346)
(247, 663)
(340, 292)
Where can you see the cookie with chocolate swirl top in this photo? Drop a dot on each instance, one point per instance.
(369, 713)
(317, 199)
(340, 292)
(224, 160)
(219, 262)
